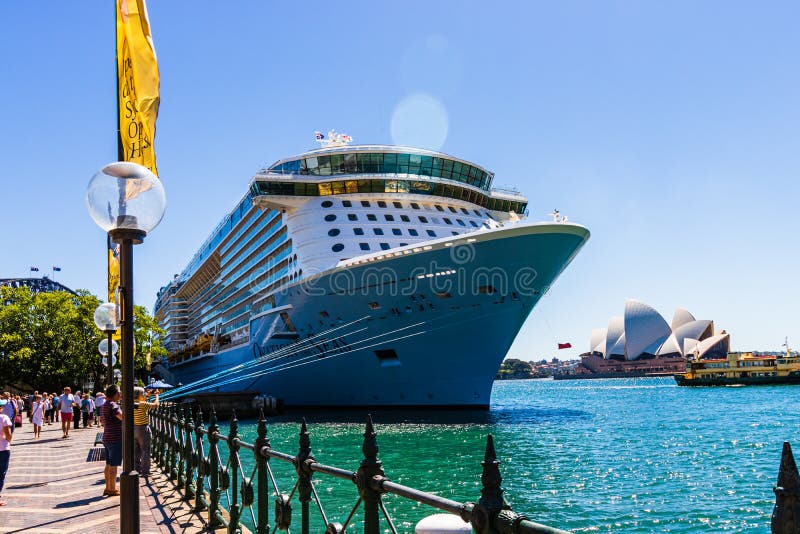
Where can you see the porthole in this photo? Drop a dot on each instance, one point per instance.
(459, 221)
(326, 204)
(352, 217)
(431, 233)
(397, 231)
(423, 219)
(414, 205)
(364, 246)
(338, 247)
(330, 217)
(365, 203)
(347, 204)
(333, 232)
(385, 246)
(413, 232)
(398, 205)
(381, 204)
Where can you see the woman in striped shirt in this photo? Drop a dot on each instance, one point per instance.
(141, 431)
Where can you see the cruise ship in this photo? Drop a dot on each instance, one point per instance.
(362, 275)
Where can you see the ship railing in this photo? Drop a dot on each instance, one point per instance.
(227, 492)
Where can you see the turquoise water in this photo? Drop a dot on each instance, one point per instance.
(621, 455)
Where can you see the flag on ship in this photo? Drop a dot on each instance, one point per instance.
(34, 269)
(137, 103)
(56, 269)
(319, 136)
(564, 346)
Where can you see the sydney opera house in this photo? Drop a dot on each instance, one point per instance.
(642, 333)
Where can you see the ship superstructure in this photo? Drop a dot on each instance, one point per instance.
(397, 268)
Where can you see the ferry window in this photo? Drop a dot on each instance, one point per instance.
(385, 246)
(378, 231)
(413, 232)
(338, 247)
(423, 219)
(347, 204)
(459, 221)
(337, 164)
(464, 211)
(381, 204)
(352, 217)
(389, 217)
(415, 205)
(405, 218)
(397, 231)
(333, 232)
(349, 163)
(365, 203)
(358, 231)
(330, 217)
(398, 205)
(448, 221)
(451, 208)
(364, 246)
(324, 165)
(431, 233)
(371, 217)
(438, 207)
(326, 204)
(473, 223)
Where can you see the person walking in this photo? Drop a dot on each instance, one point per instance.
(99, 400)
(37, 415)
(76, 409)
(56, 410)
(86, 408)
(65, 402)
(112, 438)
(6, 435)
(9, 409)
(141, 431)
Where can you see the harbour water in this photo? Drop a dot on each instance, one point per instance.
(619, 455)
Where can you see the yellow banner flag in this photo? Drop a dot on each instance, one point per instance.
(138, 94)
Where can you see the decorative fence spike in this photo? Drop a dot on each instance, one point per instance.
(786, 513)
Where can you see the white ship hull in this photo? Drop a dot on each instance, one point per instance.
(424, 326)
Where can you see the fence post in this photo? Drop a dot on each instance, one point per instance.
(172, 457)
(190, 456)
(180, 459)
(370, 468)
(213, 441)
(233, 463)
(156, 446)
(491, 502)
(303, 458)
(786, 513)
(202, 463)
(262, 487)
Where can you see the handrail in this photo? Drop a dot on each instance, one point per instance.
(189, 454)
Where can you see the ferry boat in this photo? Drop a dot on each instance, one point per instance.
(742, 368)
(362, 275)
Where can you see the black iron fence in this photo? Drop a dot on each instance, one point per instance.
(190, 455)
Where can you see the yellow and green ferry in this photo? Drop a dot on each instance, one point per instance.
(742, 368)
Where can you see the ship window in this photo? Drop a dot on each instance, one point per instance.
(397, 231)
(389, 217)
(451, 208)
(371, 217)
(413, 232)
(330, 217)
(431, 233)
(323, 314)
(464, 211)
(438, 207)
(326, 204)
(403, 244)
(455, 233)
(460, 222)
(385, 246)
(358, 231)
(365, 203)
(423, 219)
(398, 205)
(415, 205)
(378, 231)
(338, 247)
(387, 356)
(364, 246)
(405, 218)
(333, 232)
(352, 217)
(347, 204)
(448, 221)
(477, 213)
(473, 223)
(381, 204)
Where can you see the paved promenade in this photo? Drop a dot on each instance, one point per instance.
(53, 487)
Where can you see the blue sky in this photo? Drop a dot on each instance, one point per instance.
(670, 129)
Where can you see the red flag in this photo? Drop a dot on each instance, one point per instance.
(564, 346)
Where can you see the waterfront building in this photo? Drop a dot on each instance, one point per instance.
(643, 333)
(399, 270)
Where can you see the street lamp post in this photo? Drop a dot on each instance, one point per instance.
(106, 317)
(127, 201)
